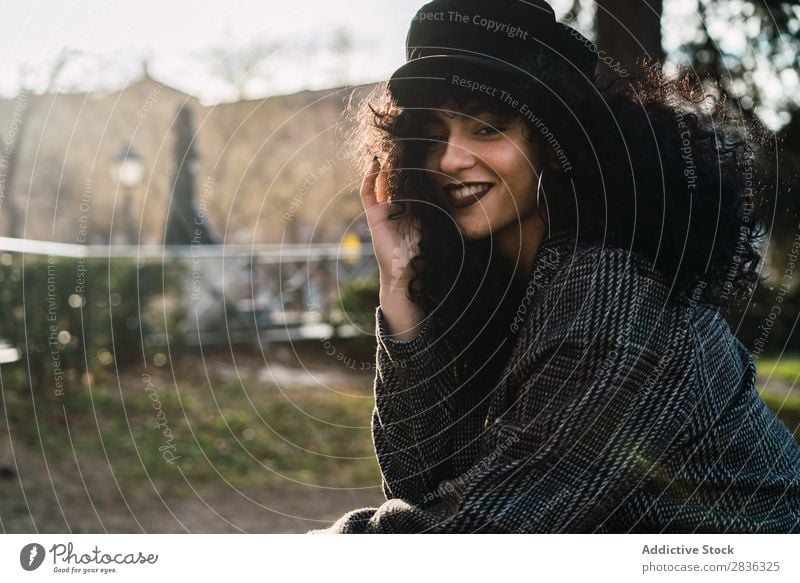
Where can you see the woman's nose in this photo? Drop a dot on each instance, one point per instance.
(457, 156)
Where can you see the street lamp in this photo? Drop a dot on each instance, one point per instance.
(127, 170)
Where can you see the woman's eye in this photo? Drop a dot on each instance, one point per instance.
(490, 131)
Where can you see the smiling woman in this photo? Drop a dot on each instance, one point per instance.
(483, 157)
(551, 357)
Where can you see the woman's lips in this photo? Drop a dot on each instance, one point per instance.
(467, 194)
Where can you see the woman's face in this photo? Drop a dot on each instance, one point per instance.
(486, 169)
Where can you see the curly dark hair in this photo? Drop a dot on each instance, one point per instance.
(649, 164)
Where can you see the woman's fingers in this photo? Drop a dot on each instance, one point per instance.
(368, 198)
(395, 239)
(381, 186)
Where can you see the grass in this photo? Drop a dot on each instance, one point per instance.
(781, 371)
(254, 434)
(784, 369)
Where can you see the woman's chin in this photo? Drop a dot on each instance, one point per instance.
(480, 228)
(474, 232)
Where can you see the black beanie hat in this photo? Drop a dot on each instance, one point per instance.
(493, 42)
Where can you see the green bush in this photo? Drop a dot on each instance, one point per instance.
(358, 299)
(82, 314)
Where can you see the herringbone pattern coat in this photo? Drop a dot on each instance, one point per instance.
(618, 411)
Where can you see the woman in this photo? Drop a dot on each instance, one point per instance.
(553, 253)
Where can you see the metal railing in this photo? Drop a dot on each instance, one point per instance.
(240, 293)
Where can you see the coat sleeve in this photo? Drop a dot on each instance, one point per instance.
(412, 420)
(606, 387)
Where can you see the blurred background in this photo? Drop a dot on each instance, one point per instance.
(187, 285)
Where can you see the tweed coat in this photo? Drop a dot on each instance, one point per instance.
(618, 411)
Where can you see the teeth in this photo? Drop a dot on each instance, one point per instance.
(467, 191)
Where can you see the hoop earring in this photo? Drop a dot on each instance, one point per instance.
(542, 206)
(539, 188)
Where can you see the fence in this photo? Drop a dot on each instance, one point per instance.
(236, 293)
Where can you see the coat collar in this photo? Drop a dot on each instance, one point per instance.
(554, 248)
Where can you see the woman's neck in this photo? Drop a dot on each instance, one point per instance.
(518, 244)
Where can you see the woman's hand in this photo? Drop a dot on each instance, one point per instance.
(395, 240)
(395, 235)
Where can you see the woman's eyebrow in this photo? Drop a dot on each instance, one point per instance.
(476, 110)
(478, 113)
